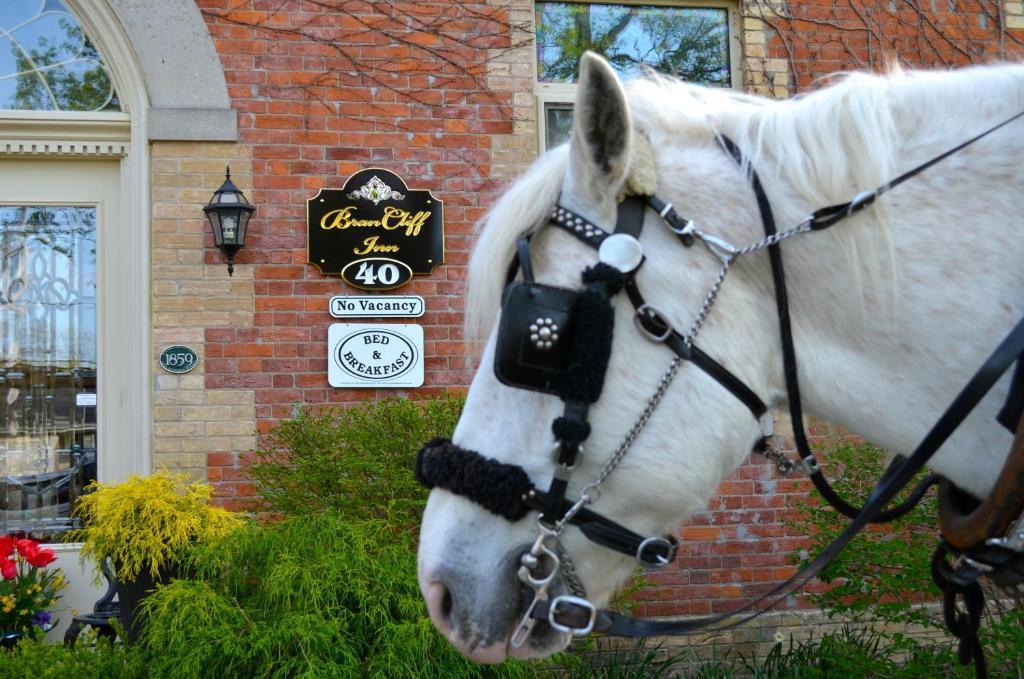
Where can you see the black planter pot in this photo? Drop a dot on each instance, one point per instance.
(10, 639)
(131, 594)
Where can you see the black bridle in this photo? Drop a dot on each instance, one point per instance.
(558, 341)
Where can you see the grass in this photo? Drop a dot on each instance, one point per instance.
(847, 654)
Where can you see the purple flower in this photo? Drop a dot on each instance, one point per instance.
(40, 618)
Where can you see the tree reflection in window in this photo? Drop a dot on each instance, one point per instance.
(47, 365)
(47, 63)
(691, 43)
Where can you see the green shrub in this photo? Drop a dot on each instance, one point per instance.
(90, 658)
(317, 595)
(356, 460)
(885, 570)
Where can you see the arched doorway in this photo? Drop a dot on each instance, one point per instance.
(85, 86)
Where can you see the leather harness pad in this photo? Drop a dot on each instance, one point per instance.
(535, 336)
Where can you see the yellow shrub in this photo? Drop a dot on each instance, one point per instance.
(148, 521)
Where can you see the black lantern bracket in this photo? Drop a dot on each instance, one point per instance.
(228, 213)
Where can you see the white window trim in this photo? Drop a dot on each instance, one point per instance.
(124, 423)
(565, 93)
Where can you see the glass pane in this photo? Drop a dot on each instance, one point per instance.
(47, 365)
(691, 43)
(557, 124)
(47, 63)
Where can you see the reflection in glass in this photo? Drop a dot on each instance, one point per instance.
(691, 43)
(47, 63)
(557, 124)
(47, 365)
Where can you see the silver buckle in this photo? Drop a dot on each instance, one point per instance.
(719, 247)
(964, 560)
(786, 466)
(808, 465)
(556, 449)
(653, 313)
(689, 228)
(1014, 538)
(566, 600)
(660, 561)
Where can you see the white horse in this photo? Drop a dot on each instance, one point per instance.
(893, 309)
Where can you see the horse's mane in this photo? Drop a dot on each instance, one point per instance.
(523, 208)
(828, 145)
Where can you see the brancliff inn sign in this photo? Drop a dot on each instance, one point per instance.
(375, 232)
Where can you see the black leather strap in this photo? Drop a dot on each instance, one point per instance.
(677, 343)
(833, 214)
(602, 530)
(983, 380)
(672, 218)
(962, 621)
(630, 216)
(789, 361)
(634, 206)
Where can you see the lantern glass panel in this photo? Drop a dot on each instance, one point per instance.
(214, 218)
(243, 222)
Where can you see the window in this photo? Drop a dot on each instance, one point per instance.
(68, 336)
(695, 42)
(47, 63)
(48, 378)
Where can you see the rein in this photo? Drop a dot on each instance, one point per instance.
(559, 341)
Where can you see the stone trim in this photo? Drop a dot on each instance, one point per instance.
(188, 96)
(192, 124)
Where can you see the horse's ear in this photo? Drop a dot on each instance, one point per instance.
(602, 129)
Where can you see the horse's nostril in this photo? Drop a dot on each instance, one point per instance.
(439, 605)
(446, 603)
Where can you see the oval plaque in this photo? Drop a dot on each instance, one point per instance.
(376, 355)
(376, 273)
(178, 359)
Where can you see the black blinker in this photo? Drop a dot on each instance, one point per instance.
(535, 336)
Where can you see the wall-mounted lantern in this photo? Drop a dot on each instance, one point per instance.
(228, 213)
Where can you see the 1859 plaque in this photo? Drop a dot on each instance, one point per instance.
(375, 233)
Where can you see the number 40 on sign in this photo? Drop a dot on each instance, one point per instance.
(376, 273)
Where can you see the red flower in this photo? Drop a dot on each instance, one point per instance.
(6, 546)
(27, 546)
(8, 569)
(41, 557)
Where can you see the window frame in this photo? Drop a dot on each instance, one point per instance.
(565, 93)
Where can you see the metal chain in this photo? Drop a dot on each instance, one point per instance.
(590, 492)
(705, 307)
(569, 574)
(727, 260)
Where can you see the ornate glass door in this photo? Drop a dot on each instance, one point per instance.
(48, 364)
(56, 404)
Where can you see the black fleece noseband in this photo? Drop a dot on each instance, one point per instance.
(506, 490)
(497, 487)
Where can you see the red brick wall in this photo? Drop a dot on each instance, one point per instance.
(322, 94)
(819, 37)
(404, 86)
